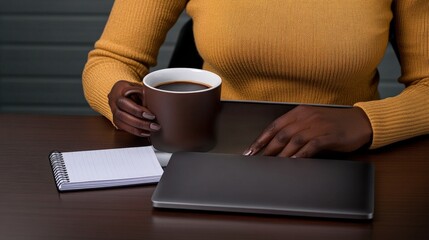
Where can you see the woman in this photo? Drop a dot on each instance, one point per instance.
(323, 52)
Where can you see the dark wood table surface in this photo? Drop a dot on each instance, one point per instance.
(32, 208)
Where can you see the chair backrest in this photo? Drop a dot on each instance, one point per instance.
(185, 52)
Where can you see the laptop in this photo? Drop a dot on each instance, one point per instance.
(267, 185)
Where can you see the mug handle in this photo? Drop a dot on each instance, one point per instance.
(136, 91)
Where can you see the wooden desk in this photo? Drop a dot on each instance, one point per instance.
(31, 207)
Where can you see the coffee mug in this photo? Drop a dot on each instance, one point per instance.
(185, 102)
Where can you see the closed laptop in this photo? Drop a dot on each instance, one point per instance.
(267, 185)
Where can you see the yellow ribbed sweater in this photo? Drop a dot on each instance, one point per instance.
(281, 50)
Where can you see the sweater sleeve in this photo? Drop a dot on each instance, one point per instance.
(406, 115)
(128, 47)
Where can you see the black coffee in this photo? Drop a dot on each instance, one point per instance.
(182, 86)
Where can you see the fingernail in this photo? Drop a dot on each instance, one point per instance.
(154, 126)
(144, 134)
(148, 116)
(294, 156)
(248, 152)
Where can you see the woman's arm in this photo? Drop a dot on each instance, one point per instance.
(406, 115)
(127, 48)
(305, 131)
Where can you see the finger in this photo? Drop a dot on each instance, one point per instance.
(296, 142)
(262, 140)
(129, 106)
(130, 129)
(270, 132)
(282, 139)
(135, 122)
(314, 146)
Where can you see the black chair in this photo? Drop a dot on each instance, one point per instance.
(185, 52)
(392, 40)
(392, 33)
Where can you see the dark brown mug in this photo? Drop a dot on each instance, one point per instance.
(185, 102)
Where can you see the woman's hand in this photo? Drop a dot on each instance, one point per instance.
(126, 103)
(306, 130)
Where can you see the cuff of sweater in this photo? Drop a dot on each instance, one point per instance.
(394, 119)
(372, 113)
(97, 98)
(97, 86)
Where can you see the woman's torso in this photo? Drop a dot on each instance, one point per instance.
(293, 51)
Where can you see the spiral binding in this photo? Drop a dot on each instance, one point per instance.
(59, 168)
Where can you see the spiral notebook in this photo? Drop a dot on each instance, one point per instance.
(105, 168)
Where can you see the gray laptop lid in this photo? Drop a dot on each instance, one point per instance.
(269, 185)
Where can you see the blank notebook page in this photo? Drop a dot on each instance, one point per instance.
(111, 164)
